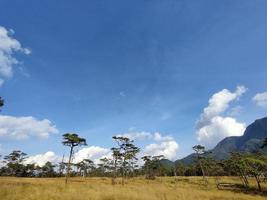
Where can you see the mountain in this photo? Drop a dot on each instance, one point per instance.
(250, 141)
(167, 162)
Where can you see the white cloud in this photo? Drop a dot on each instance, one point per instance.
(218, 103)
(24, 127)
(8, 46)
(261, 99)
(41, 159)
(143, 135)
(219, 128)
(166, 148)
(211, 127)
(93, 153)
(137, 135)
(158, 137)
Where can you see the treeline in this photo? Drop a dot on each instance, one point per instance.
(14, 165)
(123, 163)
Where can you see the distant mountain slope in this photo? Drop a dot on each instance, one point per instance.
(251, 141)
(167, 163)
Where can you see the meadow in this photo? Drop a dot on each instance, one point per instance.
(78, 188)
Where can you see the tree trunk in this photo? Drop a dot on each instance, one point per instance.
(68, 168)
(258, 182)
(243, 181)
(115, 172)
(123, 171)
(122, 175)
(203, 173)
(84, 172)
(246, 181)
(244, 178)
(133, 168)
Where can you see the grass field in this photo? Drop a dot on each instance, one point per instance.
(184, 188)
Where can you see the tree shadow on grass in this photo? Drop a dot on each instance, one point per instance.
(239, 188)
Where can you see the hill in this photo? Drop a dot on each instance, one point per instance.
(250, 141)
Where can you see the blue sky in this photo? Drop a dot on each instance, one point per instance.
(101, 68)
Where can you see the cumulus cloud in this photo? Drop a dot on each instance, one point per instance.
(211, 127)
(24, 127)
(41, 159)
(261, 99)
(218, 103)
(219, 128)
(166, 148)
(8, 46)
(93, 153)
(162, 145)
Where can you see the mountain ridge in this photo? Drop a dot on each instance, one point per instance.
(250, 141)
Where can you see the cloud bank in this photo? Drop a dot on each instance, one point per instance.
(41, 159)
(212, 127)
(166, 148)
(25, 127)
(93, 153)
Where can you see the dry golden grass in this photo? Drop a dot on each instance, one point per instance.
(184, 188)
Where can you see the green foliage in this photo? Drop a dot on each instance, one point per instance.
(124, 157)
(245, 165)
(201, 160)
(105, 165)
(199, 149)
(14, 163)
(85, 166)
(152, 166)
(72, 140)
(47, 170)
